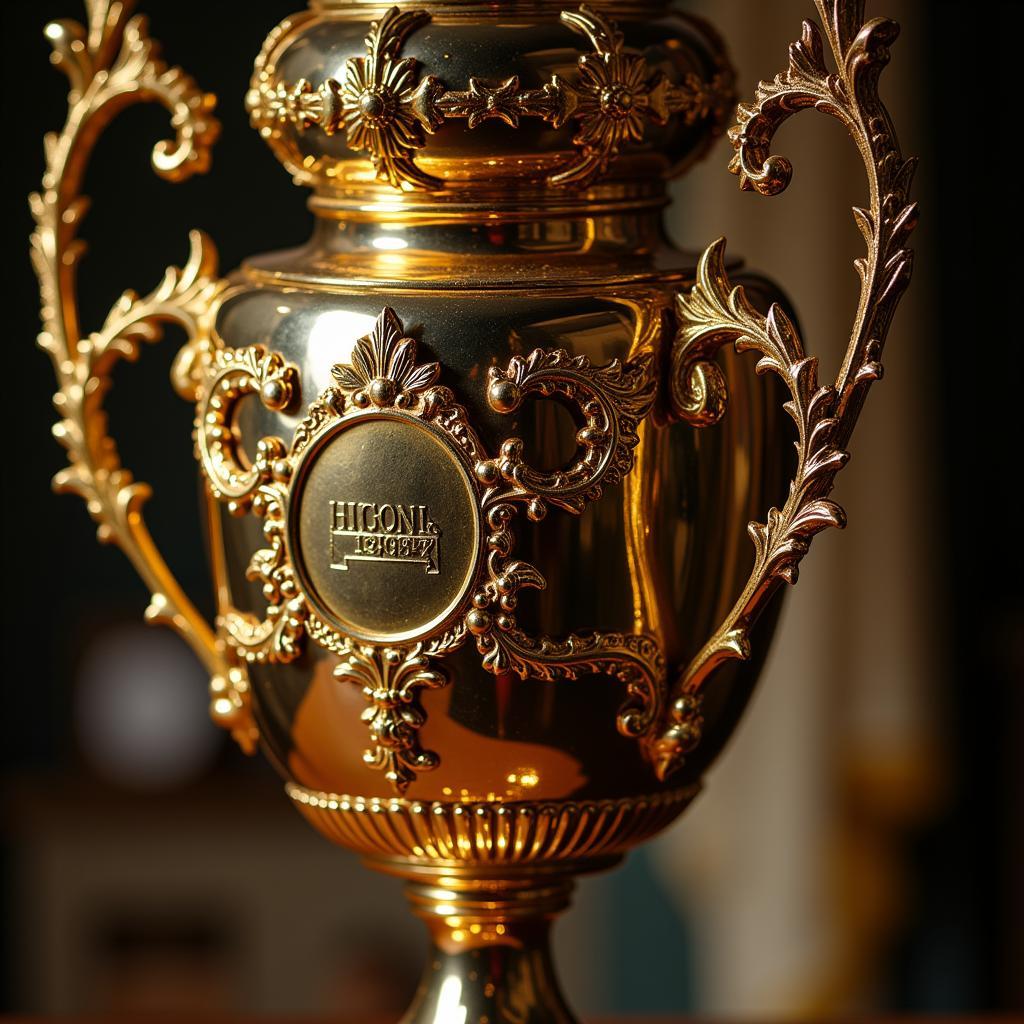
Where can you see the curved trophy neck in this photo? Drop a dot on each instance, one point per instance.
(489, 958)
(622, 219)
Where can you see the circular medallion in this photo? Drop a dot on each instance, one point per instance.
(384, 528)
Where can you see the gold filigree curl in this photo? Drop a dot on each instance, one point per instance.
(233, 375)
(260, 487)
(635, 659)
(612, 400)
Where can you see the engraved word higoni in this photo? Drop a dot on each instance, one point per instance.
(364, 531)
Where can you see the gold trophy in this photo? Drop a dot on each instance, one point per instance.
(480, 457)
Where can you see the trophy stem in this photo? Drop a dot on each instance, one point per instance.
(490, 956)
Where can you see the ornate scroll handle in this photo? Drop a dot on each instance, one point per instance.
(111, 64)
(713, 314)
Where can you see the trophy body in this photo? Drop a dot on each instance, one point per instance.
(504, 786)
(480, 458)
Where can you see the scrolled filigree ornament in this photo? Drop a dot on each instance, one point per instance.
(714, 313)
(633, 658)
(260, 487)
(278, 636)
(383, 381)
(391, 680)
(612, 400)
(233, 375)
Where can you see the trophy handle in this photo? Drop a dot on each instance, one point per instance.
(713, 314)
(111, 64)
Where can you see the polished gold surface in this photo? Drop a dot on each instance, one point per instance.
(478, 457)
(487, 831)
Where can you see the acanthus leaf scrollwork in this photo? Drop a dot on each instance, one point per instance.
(392, 680)
(713, 314)
(633, 658)
(383, 370)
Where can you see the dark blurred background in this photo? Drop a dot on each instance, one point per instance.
(860, 845)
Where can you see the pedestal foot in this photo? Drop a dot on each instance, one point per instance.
(490, 955)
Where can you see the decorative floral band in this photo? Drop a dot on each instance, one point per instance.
(387, 112)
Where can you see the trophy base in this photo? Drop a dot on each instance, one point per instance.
(488, 879)
(490, 955)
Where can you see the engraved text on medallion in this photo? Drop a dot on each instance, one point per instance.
(362, 531)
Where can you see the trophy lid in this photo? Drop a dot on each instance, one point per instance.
(468, 100)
